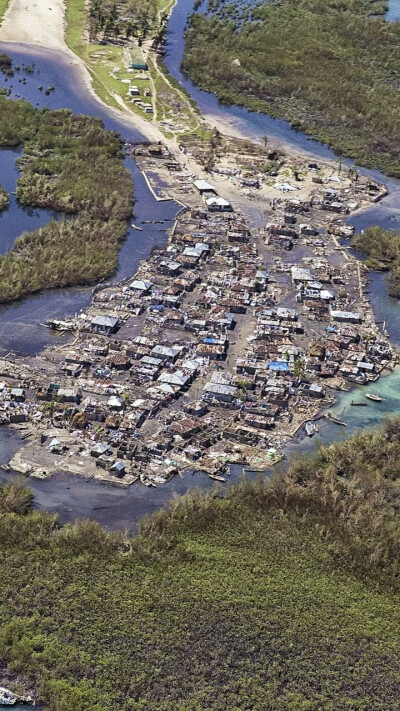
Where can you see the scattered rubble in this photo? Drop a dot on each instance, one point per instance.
(220, 348)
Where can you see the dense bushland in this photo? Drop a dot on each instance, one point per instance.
(330, 68)
(382, 250)
(4, 198)
(72, 165)
(279, 596)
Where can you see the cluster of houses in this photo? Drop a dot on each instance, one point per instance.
(217, 350)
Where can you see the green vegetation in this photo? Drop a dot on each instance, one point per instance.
(4, 199)
(330, 68)
(72, 165)
(281, 596)
(110, 20)
(3, 8)
(382, 248)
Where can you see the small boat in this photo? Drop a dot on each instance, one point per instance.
(373, 397)
(146, 481)
(216, 477)
(135, 227)
(358, 404)
(333, 418)
(310, 428)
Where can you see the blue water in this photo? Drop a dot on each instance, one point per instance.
(253, 125)
(393, 12)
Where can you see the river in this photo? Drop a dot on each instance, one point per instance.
(70, 496)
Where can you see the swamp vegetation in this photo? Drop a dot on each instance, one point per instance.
(4, 199)
(281, 595)
(382, 250)
(71, 165)
(330, 68)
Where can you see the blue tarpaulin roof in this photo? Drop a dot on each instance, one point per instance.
(278, 365)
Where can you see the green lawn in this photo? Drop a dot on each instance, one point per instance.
(107, 65)
(3, 7)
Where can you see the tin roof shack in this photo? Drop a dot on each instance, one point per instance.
(105, 324)
(346, 316)
(185, 427)
(169, 268)
(18, 394)
(99, 449)
(312, 390)
(140, 286)
(147, 369)
(177, 379)
(219, 392)
(166, 354)
(301, 276)
(260, 422)
(204, 188)
(118, 469)
(119, 361)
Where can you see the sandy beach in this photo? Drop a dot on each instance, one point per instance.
(39, 23)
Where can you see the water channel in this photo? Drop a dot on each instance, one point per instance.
(71, 496)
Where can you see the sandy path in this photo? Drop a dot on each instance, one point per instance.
(38, 22)
(38, 26)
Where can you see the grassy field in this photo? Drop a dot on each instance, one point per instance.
(108, 65)
(331, 69)
(282, 597)
(3, 7)
(100, 60)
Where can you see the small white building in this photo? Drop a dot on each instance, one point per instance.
(346, 316)
(218, 204)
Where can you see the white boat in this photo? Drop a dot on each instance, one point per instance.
(373, 397)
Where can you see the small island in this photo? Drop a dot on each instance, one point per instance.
(4, 199)
(73, 166)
